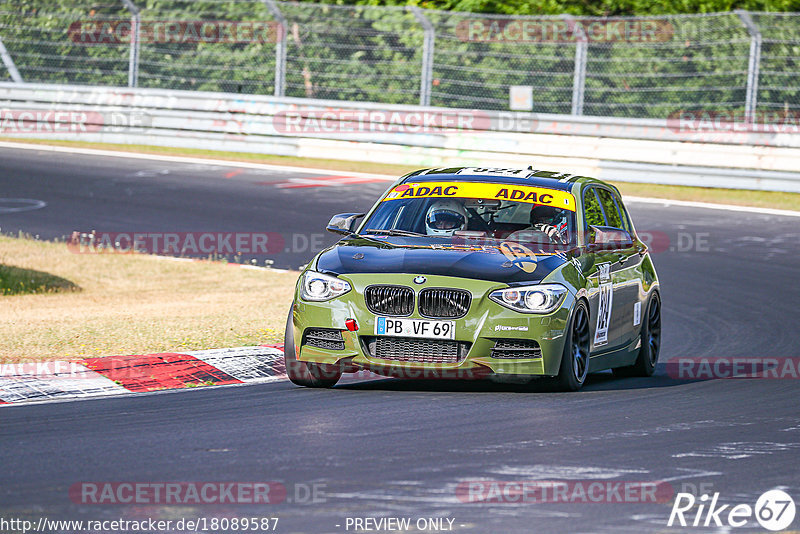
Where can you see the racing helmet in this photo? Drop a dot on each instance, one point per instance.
(548, 215)
(445, 217)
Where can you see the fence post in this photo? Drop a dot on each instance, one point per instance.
(753, 65)
(579, 73)
(428, 43)
(9, 63)
(133, 58)
(280, 47)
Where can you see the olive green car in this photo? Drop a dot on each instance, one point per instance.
(473, 272)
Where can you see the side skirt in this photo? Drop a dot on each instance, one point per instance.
(618, 358)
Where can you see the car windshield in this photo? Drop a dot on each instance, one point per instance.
(484, 218)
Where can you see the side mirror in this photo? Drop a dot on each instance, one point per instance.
(344, 223)
(606, 238)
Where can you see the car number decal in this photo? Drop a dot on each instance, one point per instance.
(603, 314)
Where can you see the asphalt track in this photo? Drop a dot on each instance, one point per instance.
(400, 447)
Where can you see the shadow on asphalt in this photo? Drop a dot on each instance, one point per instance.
(604, 381)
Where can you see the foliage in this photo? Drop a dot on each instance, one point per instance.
(364, 53)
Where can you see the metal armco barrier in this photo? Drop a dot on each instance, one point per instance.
(635, 150)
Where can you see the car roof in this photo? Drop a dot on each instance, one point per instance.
(512, 176)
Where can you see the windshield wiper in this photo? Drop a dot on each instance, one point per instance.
(393, 231)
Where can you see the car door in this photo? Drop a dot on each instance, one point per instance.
(598, 268)
(624, 261)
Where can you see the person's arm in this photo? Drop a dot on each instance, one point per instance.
(551, 231)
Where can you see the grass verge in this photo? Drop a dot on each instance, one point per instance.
(134, 304)
(18, 281)
(765, 199)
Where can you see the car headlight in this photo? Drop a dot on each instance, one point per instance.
(318, 287)
(530, 299)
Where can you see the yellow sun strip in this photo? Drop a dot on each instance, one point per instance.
(518, 193)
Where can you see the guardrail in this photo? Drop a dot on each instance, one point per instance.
(637, 150)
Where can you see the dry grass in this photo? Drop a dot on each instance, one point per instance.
(134, 304)
(770, 199)
(739, 197)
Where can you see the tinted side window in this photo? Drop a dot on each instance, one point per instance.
(591, 208)
(610, 208)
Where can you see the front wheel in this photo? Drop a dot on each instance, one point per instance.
(575, 360)
(645, 364)
(307, 374)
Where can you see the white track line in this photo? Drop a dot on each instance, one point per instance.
(189, 159)
(308, 170)
(728, 207)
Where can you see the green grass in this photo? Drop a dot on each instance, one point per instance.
(19, 281)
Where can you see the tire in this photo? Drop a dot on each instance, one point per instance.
(645, 364)
(574, 366)
(307, 374)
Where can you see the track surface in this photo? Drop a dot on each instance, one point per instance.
(400, 448)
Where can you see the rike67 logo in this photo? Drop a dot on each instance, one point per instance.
(774, 510)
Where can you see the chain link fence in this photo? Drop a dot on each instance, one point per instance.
(741, 62)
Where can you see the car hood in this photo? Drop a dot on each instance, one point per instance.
(495, 262)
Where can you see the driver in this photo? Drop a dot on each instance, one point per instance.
(551, 221)
(445, 217)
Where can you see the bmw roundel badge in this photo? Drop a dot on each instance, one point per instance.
(420, 280)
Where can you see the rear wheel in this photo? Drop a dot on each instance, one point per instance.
(645, 364)
(575, 360)
(307, 374)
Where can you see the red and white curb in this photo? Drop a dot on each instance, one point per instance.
(114, 375)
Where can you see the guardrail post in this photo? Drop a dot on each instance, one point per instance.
(428, 43)
(280, 47)
(133, 58)
(579, 73)
(753, 65)
(8, 61)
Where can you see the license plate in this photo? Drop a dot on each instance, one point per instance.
(394, 326)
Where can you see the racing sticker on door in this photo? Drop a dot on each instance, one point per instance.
(604, 271)
(603, 314)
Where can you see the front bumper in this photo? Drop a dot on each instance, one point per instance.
(485, 323)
